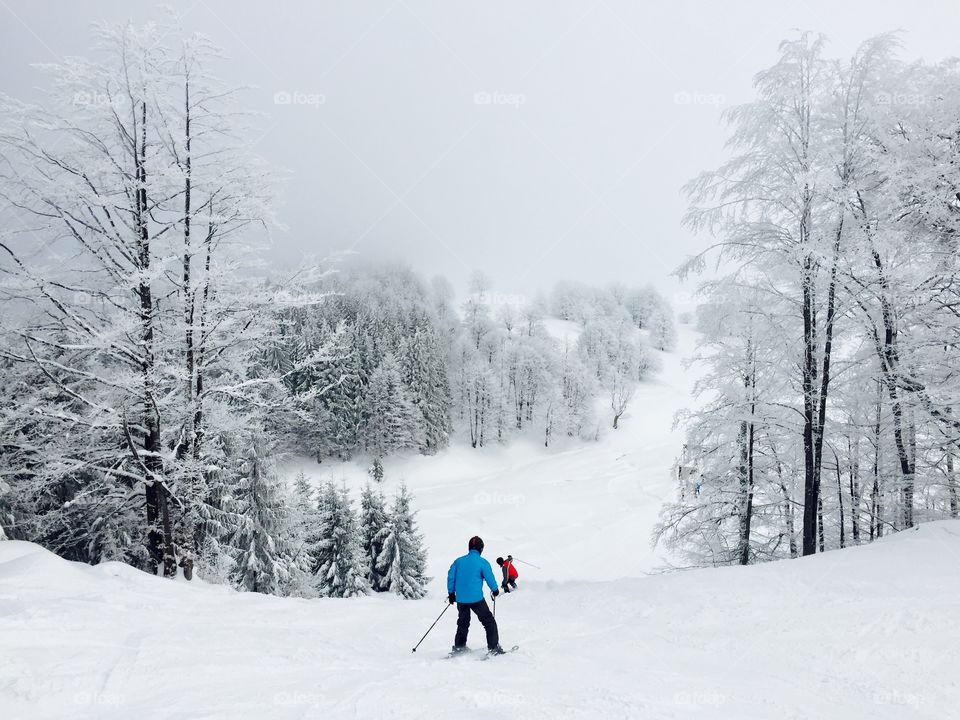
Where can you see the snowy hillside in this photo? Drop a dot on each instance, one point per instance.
(583, 511)
(250, 416)
(868, 632)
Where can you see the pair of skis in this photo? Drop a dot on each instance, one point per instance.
(487, 655)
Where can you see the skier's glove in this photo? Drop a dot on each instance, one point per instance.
(494, 593)
(452, 597)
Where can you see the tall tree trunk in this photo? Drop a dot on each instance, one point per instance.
(811, 487)
(747, 465)
(474, 415)
(484, 404)
(821, 536)
(189, 294)
(201, 343)
(903, 454)
(159, 535)
(814, 396)
(853, 452)
(890, 363)
(746, 521)
(788, 512)
(843, 536)
(952, 484)
(821, 419)
(876, 499)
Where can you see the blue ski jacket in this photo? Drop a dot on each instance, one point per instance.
(466, 577)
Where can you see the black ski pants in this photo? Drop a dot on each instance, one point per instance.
(483, 615)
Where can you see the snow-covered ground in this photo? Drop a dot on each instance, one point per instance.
(869, 632)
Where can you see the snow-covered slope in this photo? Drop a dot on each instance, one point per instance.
(579, 511)
(869, 632)
(864, 633)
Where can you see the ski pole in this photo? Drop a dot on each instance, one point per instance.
(530, 564)
(431, 627)
(494, 608)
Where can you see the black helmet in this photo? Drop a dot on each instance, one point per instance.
(476, 543)
(500, 561)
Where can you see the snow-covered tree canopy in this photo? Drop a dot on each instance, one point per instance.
(831, 331)
(131, 322)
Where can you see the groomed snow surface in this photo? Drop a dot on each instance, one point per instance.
(868, 632)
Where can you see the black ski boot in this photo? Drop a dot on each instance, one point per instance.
(496, 651)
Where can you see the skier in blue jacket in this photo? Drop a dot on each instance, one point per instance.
(465, 587)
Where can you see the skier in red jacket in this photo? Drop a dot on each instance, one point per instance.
(510, 573)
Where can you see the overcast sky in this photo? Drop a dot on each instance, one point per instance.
(532, 140)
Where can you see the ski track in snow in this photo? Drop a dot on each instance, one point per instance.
(868, 632)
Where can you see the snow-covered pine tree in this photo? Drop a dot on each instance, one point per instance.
(391, 420)
(339, 570)
(303, 519)
(304, 506)
(374, 521)
(403, 558)
(339, 383)
(424, 367)
(209, 518)
(262, 560)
